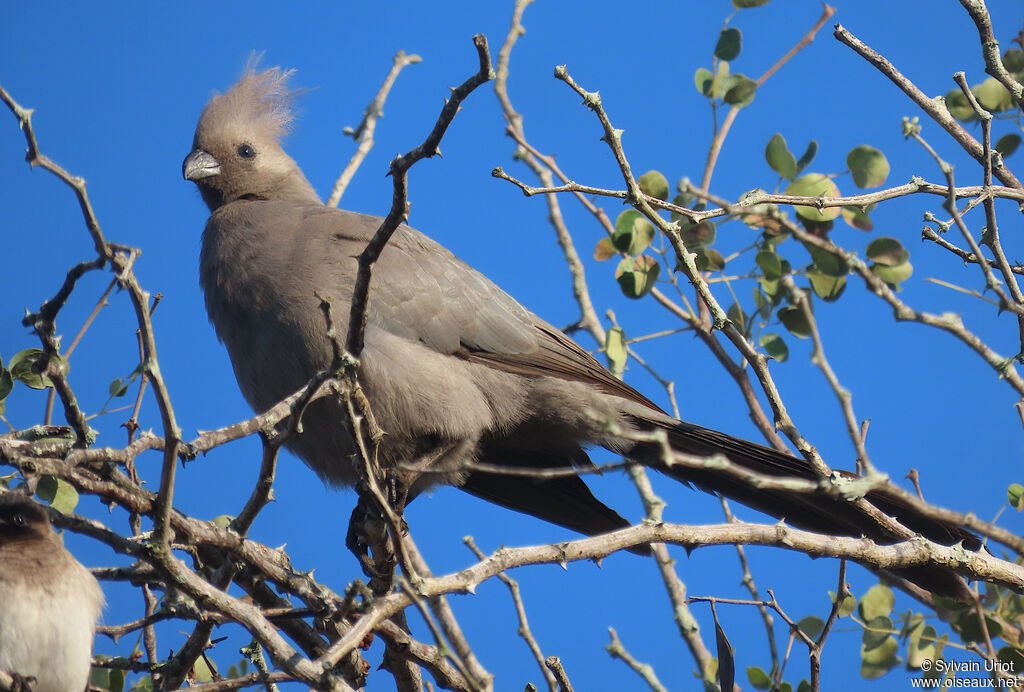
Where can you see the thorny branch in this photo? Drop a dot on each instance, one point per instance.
(253, 566)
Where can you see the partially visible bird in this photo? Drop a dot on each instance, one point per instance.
(455, 369)
(49, 602)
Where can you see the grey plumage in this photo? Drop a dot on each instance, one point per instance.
(49, 602)
(454, 368)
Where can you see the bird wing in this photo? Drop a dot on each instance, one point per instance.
(421, 291)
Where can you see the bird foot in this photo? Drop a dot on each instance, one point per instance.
(22, 683)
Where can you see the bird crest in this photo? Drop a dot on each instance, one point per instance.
(260, 103)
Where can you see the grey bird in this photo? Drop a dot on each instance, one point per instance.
(49, 602)
(454, 368)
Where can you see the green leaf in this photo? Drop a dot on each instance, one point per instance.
(827, 263)
(704, 81)
(615, 349)
(27, 367)
(763, 303)
(876, 631)
(726, 660)
(683, 198)
(118, 387)
(812, 626)
(746, 4)
(6, 382)
(655, 184)
(722, 80)
(958, 106)
(738, 317)
(1012, 656)
(709, 260)
(758, 679)
(604, 249)
(58, 493)
(1008, 144)
(730, 42)
(698, 235)
(814, 185)
(636, 275)
(807, 157)
(770, 264)
(804, 686)
(826, 286)
(848, 605)
(741, 93)
(880, 660)
(779, 157)
(921, 645)
(877, 602)
(1013, 61)
(893, 275)
(774, 346)
(868, 165)
(970, 628)
(993, 96)
(99, 677)
(201, 671)
(888, 251)
(633, 232)
(1015, 496)
(858, 218)
(116, 681)
(795, 321)
(768, 217)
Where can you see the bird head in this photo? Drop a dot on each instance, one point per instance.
(22, 519)
(237, 153)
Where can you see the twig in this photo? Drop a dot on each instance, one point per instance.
(438, 637)
(644, 670)
(842, 592)
(730, 117)
(554, 663)
(755, 199)
(938, 112)
(990, 49)
(476, 674)
(400, 203)
(100, 304)
(524, 625)
(748, 581)
(542, 167)
(686, 622)
(363, 134)
(818, 357)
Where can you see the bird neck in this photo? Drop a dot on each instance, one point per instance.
(296, 187)
(292, 187)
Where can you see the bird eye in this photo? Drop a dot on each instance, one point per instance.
(246, 151)
(19, 520)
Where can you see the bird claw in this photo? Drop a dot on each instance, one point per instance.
(22, 683)
(368, 539)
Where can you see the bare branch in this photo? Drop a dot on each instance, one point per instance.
(363, 134)
(935, 109)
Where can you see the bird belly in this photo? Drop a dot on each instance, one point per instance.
(47, 634)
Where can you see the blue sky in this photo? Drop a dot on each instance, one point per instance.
(117, 93)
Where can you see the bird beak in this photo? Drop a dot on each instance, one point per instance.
(198, 165)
